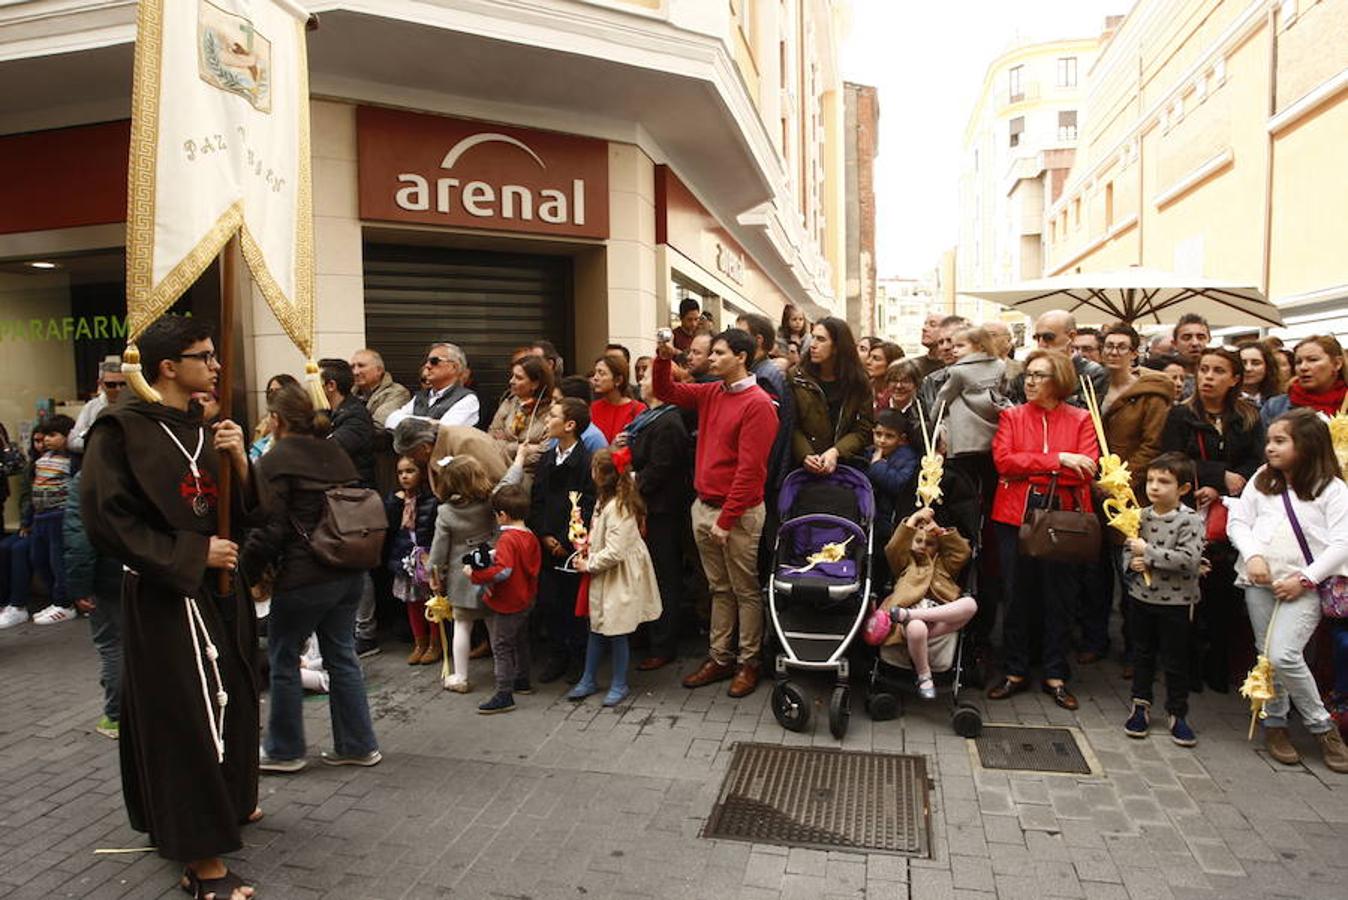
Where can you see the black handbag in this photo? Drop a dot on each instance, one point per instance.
(1060, 535)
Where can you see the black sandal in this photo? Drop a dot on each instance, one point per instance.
(221, 888)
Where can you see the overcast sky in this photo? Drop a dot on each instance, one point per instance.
(928, 61)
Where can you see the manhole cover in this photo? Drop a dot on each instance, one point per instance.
(1030, 749)
(824, 798)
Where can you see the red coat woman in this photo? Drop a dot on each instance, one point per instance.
(1036, 442)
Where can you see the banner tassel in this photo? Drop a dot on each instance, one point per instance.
(136, 378)
(315, 385)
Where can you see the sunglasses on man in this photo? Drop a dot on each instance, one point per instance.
(1045, 337)
(433, 361)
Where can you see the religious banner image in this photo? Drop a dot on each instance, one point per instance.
(232, 56)
(219, 146)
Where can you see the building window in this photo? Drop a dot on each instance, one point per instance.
(1017, 129)
(1016, 74)
(1109, 205)
(1067, 71)
(1067, 125)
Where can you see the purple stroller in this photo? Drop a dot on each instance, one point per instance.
(817, 609)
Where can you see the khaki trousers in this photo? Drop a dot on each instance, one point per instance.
(732, 575)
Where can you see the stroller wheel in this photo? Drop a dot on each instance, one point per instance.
(883, 706)
(839, 711)
(790, 706)
(967, 721)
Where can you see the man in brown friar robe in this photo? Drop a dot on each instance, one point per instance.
(189, 725)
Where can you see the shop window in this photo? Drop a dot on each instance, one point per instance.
(60, 316)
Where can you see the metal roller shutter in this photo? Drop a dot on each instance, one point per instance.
(487, 303)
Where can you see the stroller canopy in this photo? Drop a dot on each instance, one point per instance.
(844, 477)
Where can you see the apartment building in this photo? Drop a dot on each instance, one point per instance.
(862, 142)
(1213, 144)
(1018, 146)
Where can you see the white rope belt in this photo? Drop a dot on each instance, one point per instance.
(215, 712)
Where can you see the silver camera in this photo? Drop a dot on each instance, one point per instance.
(664, 335)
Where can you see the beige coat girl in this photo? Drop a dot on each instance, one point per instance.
(623, 590)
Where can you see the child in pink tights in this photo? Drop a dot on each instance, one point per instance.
(927, 601)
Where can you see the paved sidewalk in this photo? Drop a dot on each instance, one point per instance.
(557, 800)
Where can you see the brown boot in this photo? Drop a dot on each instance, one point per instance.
(1335, 753)
(414, 658)
(1280, 746)
(432, 653)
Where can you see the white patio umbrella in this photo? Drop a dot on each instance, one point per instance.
(1138, 296)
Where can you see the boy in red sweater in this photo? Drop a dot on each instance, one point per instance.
(512, 584)
(737, 424)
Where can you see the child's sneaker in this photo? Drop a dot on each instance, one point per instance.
(500, 702)
(1181, 733)
(1139, 723)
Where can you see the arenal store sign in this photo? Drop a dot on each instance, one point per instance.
(438, 170)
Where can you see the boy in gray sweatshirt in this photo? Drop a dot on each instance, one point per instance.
(1161, 571)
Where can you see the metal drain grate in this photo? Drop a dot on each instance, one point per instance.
(1030, 749)
(824, 798)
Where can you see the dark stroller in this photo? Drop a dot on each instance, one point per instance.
(817, 609)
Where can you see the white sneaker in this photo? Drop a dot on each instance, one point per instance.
(53, 614)
(13, 615)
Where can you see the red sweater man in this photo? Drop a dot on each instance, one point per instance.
(737, 424)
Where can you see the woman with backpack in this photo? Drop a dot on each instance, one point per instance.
(308, 595)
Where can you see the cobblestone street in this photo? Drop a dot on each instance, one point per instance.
(567, 801)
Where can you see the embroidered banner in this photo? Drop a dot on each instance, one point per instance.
(219, 145)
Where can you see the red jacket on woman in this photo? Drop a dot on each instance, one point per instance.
(1025, 450)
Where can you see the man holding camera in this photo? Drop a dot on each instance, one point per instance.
(737, 423)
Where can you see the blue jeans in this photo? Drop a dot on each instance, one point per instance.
(328, 609)
(48, 552)
(105, 625)
(16, 571)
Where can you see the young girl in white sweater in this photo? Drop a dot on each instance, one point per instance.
(1290, 525)
(623, 591)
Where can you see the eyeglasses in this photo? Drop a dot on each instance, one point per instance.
(1045, 337)
(434, 361)
(1037, 376)
(206, 356)
(1120, 349)
(114, 385)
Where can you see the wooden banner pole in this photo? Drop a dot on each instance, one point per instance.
(229, 264)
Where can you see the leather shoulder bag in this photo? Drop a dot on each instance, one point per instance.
(1060, 535)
